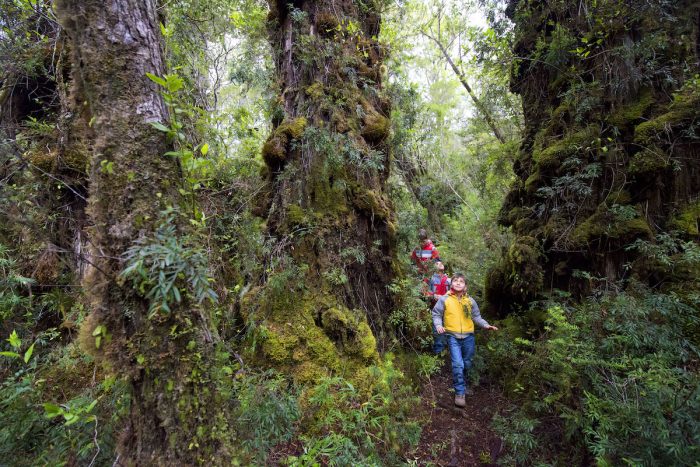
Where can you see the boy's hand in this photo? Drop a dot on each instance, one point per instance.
(491, 328)
(440, 329)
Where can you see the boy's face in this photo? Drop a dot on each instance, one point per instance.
(425, 241)
(439, 267)
(459, 285)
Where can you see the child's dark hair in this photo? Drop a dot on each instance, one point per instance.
(422, 234)
(459, 275)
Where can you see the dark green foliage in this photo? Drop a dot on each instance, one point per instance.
(164, 267)
(51, 412)
(612, 379)
(266, 413)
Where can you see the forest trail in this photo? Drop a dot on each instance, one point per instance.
(453, 436)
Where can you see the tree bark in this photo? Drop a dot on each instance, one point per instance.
(610, 151)
(327, 163)
(174, 417)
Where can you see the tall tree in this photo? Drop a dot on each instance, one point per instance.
(327, 161)
(610, 151)
(165, 352)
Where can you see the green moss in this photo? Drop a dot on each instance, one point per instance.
(604, 223)
(376, 127)
(327, 23)
(688, 219)
(44, 159)
(274, 150)
(633, 112)
(278, 344)
(296, 215)
(648, 160)
(685, 107)
(554, 154)
(533, 181)
(555, 226)
(372, 202)
(76, 158)
(515, 214)
(524, 271)
(293, 128)
(351, 333)
(307, 335)
(315, 91)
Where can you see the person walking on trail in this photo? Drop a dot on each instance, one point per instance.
(438, 285)
(423, 255)
(454, 315)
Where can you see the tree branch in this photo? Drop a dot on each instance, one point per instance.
(462, 79)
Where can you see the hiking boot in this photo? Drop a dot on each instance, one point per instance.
(459, 400)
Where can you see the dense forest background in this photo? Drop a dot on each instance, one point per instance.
(208, 207)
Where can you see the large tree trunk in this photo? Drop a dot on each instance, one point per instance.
(609, 154)
(327, 163)
(174, 418)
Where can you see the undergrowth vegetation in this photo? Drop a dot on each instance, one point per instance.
(612, 380)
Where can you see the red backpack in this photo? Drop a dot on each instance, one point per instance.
(441, 288)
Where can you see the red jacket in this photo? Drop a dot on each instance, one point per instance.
(423, 254)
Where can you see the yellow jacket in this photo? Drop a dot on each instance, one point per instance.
(457, 315)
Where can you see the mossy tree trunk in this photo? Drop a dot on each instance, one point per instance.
(327, 161)
(175, 417)
(610, 152)
(46, 166)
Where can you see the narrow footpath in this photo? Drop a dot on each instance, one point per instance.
(457, 437)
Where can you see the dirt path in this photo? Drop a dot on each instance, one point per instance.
(453, 436)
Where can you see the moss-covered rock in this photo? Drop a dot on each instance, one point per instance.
(376, 127)
(372, 202)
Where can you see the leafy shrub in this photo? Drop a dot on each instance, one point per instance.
(346, 426)
(613, 379)
(49, 421)
(266, 413)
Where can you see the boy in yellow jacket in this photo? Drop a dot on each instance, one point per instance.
(454, 316)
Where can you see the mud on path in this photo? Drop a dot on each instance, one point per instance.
(457, 437)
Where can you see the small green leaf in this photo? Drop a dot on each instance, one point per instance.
(70, 419)
(98, 341)
(156, 79)
(28, 353)
(14, 340)
(10, 354)
(52, 410)
(204, 149)
(159, 126)
(91, 406)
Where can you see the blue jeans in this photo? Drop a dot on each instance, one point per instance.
(461, 353)
(439, 343)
